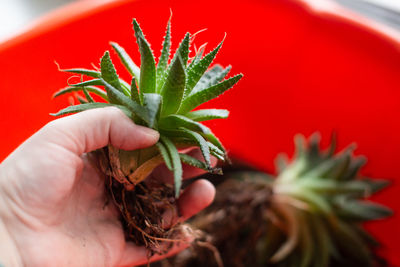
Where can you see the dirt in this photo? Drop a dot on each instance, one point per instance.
(234, 230)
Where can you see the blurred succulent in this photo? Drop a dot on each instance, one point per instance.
(320, 202)
(310, 214)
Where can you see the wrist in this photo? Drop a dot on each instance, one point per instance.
(9, 254)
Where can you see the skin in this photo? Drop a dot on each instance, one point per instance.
(52, 210)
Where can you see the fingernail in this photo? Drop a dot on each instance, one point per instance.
(150, 132)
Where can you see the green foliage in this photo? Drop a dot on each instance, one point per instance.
(83, 107)
(162, 97)
(89, 73)
(172, 90)
(208, 114)
(147, 82)
(204, 95)
(324, 195)
(91, 89)
(126, 60)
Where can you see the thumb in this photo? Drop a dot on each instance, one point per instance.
(94, 129)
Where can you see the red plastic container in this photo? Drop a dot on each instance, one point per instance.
(307, 69)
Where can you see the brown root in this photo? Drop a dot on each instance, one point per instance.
(141, 202)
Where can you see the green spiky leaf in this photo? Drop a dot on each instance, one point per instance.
(163, 61)
(82, 71)
(197, 138)
(108, 72)
(87, 106)
(197, 57)
(183, 51)
(211, 77)
(194, 100)
(147, 82)
(136, 109)
(196, 71)
(173, 88)
(361, 210)
(165, 154)
(175, 162)
(135, 92)
(92, 89)
(193, 161)
(126, 60)
(95, 82)
(176, 121)
(208, 114)
(87, 95)
(152, 103)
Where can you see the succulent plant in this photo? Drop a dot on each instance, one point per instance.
(160, 96)
(310, 214)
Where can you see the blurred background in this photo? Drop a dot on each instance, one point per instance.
(323, 73)
(18, 14)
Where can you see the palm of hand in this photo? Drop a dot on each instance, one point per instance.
(52, 200)
(65, 217)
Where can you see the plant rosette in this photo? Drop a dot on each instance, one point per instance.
(160, 96)
(309, 214)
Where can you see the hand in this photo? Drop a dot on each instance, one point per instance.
(52, 200)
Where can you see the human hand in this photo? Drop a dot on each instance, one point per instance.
(52, 202)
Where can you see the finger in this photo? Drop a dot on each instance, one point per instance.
(193, 199)
(94, 129)
(162, 173)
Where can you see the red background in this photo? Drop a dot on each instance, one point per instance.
(304, 72)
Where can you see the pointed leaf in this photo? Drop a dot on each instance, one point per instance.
(193, 161)
(126, 87)
(164, 153)
(198, 56)
(196, 71)
(216, 152)
(199, 164)
(213, 140)
(81, 99)
(126, 60)
(135, 91)
(87, 95)
(152, 102)
(375, 185)
(176, 163)
(91, 89)
(83, 107)
(175, 121)
(362, 211)
(208, 114)
(197, 138)
(108, 72)
(207, 94)
(163, 60)
(173, 88)
(211, 77)
(137, 109)
(182, 51)
(147, 81)
(89, 73)
(87, 83)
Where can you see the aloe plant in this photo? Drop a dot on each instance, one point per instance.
(309, 214)
(160, 96)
